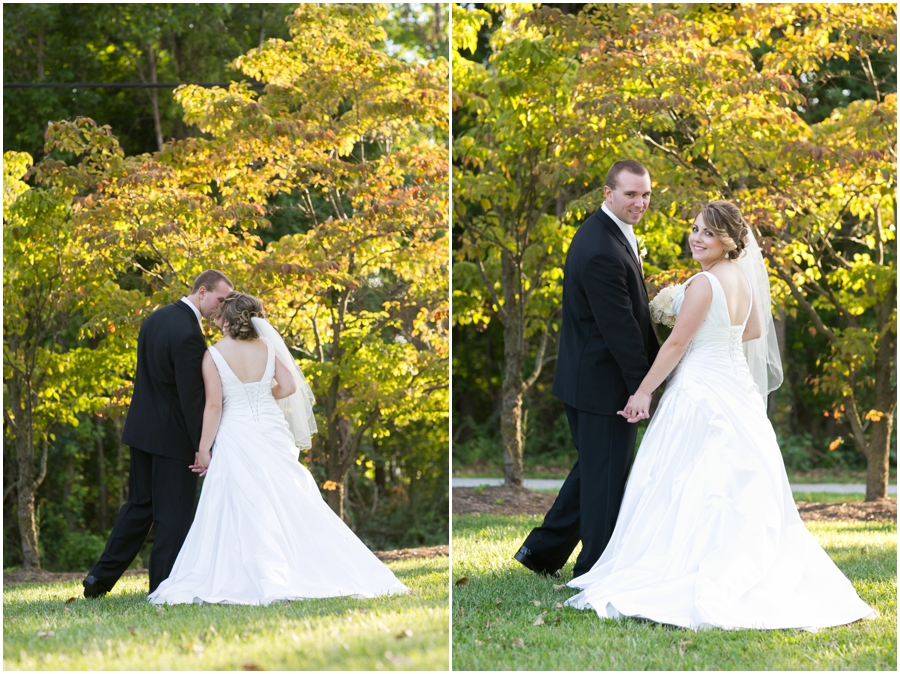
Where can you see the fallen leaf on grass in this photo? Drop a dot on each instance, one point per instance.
(498, 601)
(460, 610)
(462, 582)
(252, 667)
(535, 602)
(66, 611)
(558, 619)
(131, 629)
(559, 587)
(46, 634)
(558, 605)
(71, 599)
(539, 621)
(405, 633)
(518, 643)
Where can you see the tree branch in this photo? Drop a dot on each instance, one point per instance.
(859, 436)
(801, 299)
(501, 309)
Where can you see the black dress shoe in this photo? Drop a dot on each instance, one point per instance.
(93, 588)
(527, 559)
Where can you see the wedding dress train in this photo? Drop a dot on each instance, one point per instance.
(708, 533)
(262, 531)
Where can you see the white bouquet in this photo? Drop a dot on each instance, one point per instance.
(661, 306)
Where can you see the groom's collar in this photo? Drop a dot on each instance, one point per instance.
(195, 310)
(621, 223)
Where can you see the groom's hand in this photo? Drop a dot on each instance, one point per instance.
(637, 408)
(201, 463)
(628, 413)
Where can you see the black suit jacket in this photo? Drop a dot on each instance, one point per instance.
(606, 343)
(166, 412)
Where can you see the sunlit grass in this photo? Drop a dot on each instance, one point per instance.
(497, 608)
(123, 631)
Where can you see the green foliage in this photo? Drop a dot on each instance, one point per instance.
(124, 631)
(498, 607)
(76, 551)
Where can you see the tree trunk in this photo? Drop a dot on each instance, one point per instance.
(512, 389)
(20, 411)
(28, 531)
(336, 465)
(335, 497)
(879, 455)
(511, 429)
(154, 98)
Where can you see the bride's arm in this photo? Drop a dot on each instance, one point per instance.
(284, 381)
(697, 298)
(212, 414)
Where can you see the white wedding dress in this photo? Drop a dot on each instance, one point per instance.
(708, 534)
(262, 531)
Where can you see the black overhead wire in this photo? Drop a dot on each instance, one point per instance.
(117, 85)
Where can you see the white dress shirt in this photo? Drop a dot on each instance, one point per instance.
(195, 310)
(628, 231)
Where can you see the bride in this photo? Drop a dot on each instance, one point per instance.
(262, 531)
(708, 533)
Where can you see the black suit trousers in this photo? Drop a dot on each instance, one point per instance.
(161, 492)
(588, 502)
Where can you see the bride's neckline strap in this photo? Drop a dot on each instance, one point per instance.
(724, 298)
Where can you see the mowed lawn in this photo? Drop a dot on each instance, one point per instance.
(123, 631)
(507, 618)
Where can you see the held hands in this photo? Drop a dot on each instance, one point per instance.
(201, 462)
(637, 408)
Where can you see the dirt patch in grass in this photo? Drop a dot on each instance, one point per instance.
(512, 501)
(884, 510)
(17, 576)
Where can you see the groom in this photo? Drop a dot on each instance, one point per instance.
(606, 347)
(163, 431)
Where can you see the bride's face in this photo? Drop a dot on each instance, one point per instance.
(705, 245)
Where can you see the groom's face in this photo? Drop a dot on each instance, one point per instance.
(211, 299)
(630, 199)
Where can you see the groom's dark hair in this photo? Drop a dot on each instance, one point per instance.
(630, 165)
(209, 280)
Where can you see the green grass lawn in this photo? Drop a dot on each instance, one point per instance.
(123, 631)
(494, 613)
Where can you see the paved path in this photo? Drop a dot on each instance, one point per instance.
(556, 484)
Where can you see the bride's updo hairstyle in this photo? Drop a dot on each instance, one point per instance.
(725, 220)
(237, 309)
